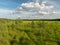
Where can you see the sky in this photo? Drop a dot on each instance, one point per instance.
(12, 4)
(8, 6)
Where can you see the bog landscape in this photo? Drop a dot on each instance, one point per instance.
(29, 22)
(18, 32)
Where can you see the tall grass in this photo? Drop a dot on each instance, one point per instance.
(18, 32)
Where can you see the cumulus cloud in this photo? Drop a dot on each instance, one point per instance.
(36, 7)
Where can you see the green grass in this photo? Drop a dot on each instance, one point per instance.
(18, 32)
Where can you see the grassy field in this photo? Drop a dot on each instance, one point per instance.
(18, 32)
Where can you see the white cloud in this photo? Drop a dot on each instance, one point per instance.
(35, 10)
(55, 12)
(35, 7)
(5, 13)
